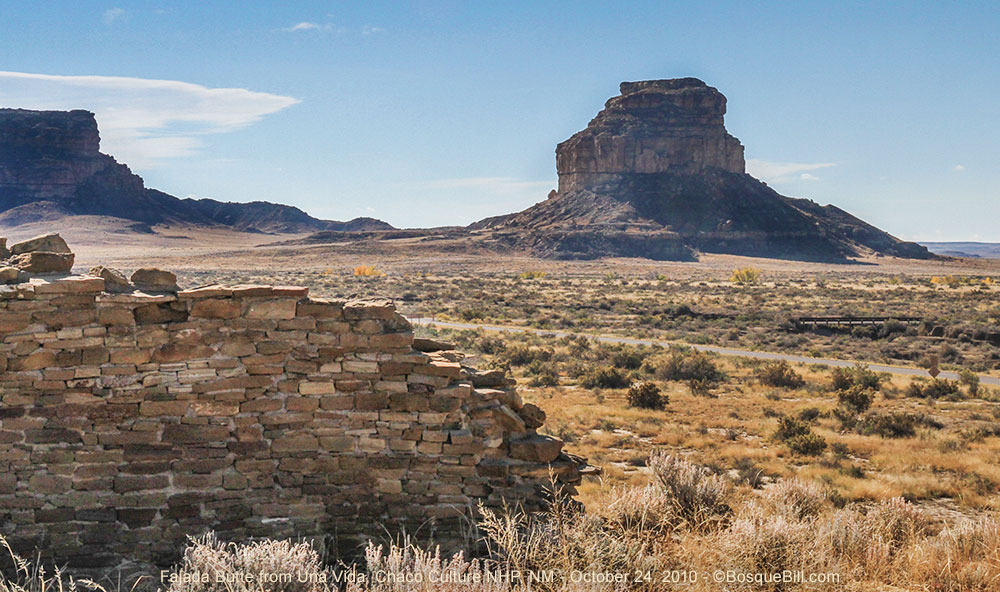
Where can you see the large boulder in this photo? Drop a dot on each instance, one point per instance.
(150, 279)
(41, 262)
(49, 243)
(537, 448)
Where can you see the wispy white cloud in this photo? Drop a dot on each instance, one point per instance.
(144, 121)
(784, 172)
(307, 26)
(958, 168)
(112, 14)
(370, 30)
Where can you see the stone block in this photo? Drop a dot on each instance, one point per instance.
(537, 448)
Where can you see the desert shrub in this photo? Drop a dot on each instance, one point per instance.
(789, 427)
(807, 444)
(228, 564)
(627, 359)
(639, 509)
(970, 380)
(646, 395)
(891, 328)
(857, 375)
(745, 276)
(521, 355)
(799, 437)
(606, 377)
(532, 275)
(856, 399)
(686, 365)
(934, 389)
(543, 374)
(809, 414)
(367, 271)
(897, 521)
(795, 499)
(960, 557)
(760, 542)
(894, 424)
(489, 344)
(699, 496)
(779, 374)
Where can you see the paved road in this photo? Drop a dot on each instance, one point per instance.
(726, 351)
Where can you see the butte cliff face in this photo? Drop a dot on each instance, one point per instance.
(657, 175)
(51, 166)
(654, 126)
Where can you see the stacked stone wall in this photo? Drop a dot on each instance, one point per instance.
(130, 421)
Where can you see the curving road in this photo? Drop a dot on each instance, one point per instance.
(725, 351)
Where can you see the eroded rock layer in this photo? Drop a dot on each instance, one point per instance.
(654, 126)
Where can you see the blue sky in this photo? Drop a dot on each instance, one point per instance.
(439, 112)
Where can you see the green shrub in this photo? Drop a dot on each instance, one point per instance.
(684, 364)
(646, 395)
(857, 375)
(934, 389)
(522, 355)
(789, 427)
(779, 374)
(606, 377)
(799, 437)
(971, 381)
(809, 444)
(627, 359)
(809, 414)
(889, 425)
(856, 399)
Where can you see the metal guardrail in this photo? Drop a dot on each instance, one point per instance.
(854, 321)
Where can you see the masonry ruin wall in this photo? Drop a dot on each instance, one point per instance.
(129, 421)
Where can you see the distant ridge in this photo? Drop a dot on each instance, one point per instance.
(51, 167)
(965, 249)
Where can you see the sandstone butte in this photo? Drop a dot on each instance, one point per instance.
(655, 174)
(51, 167)
(132, 419)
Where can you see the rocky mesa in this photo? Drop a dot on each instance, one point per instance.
(655, 174)
(51, 166)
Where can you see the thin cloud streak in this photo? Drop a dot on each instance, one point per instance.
(111, 15)
(144, 121)
(784, 172)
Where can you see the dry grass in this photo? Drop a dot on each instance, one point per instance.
(683, 531)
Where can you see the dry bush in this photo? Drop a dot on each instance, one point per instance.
(761, 542)
(407, 568)
(964, 557)
(687, 365)
(701, 499)
(228, 564)
(795, 499)
(31, 576)
(565, 541)
(745, 276)
(367, 271)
